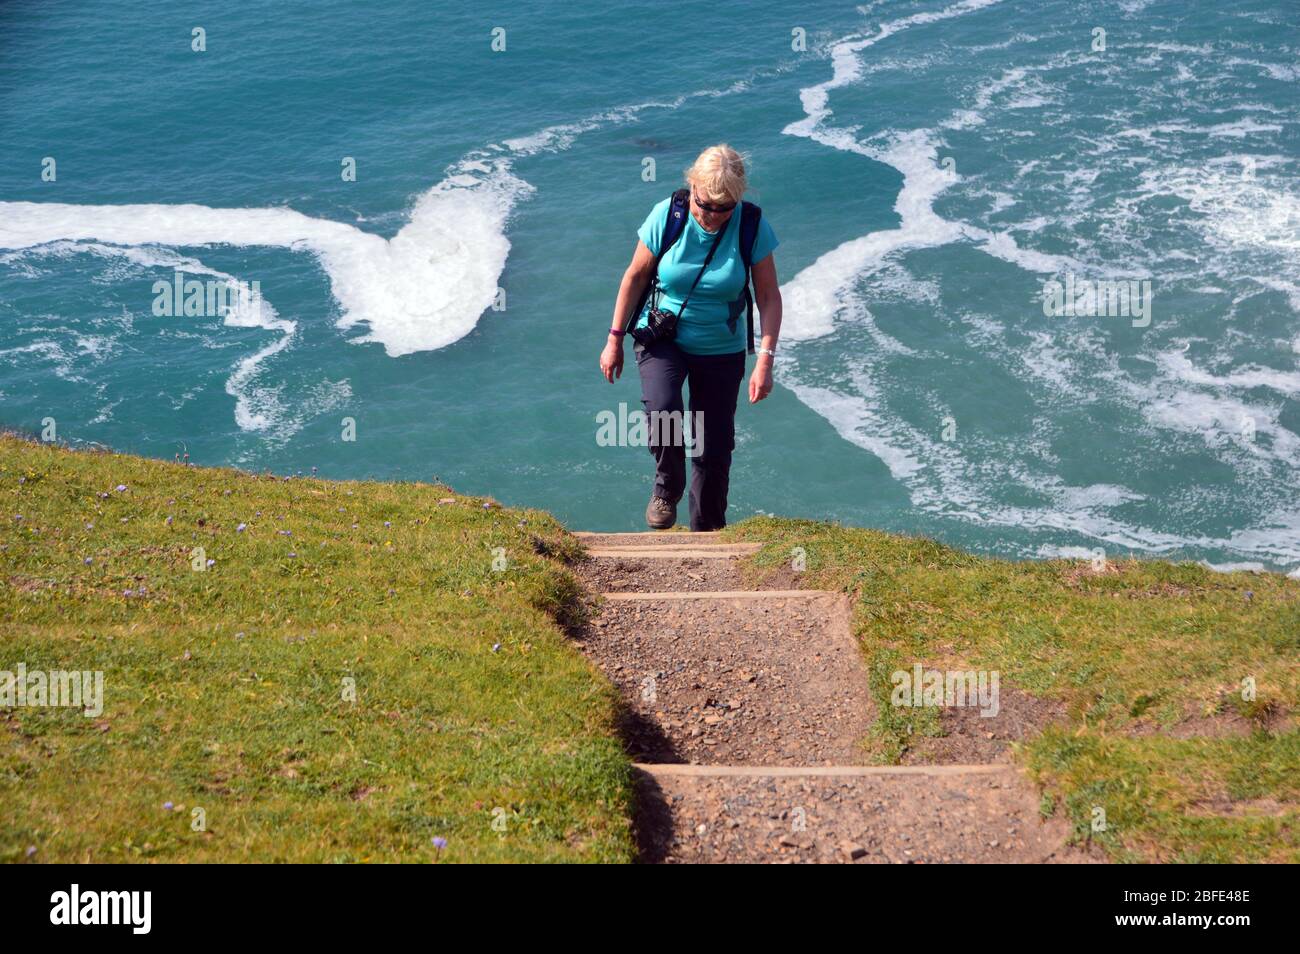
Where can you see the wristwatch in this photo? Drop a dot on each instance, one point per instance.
(767, 351)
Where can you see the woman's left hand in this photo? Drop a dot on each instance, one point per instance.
(760, 382)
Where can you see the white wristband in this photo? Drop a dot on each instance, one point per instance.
(767, 351)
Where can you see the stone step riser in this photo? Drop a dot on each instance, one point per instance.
(724, 595)
(667, 553)
(813, 771)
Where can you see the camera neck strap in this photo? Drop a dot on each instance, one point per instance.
(703, 268)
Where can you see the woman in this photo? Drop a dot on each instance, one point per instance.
(705, 270)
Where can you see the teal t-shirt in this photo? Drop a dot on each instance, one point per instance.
(703, 327)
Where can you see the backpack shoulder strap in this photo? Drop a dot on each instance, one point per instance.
(750, 214)
(678, 209)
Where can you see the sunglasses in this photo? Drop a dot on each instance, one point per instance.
(712, 208)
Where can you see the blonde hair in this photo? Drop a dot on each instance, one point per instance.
(719, 174)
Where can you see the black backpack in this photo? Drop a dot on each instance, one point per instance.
(678, 209)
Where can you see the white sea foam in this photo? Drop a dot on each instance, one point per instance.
(846, 65)
(1177, 365)
(47, 350)
(422, 289)
(819, 294)
(1239, 129)
(1051, 551)
(1249, 566)
(1048, 363)
(257, 408)
(1285, 72)
(1235, 210)
(937, 478)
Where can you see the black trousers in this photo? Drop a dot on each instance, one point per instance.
(714, 381)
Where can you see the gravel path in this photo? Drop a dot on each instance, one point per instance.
(847, 820)
(725, 682)
(726, 697)
(633, 575)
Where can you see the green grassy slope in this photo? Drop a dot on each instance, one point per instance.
(226, 689)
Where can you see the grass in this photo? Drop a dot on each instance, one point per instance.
(348, 680)
(1145, 663)
(366, 667)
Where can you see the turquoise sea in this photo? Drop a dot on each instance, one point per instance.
(928, 166)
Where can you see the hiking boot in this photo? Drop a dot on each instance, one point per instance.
(660, 514)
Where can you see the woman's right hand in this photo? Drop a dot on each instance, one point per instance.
(611, 359)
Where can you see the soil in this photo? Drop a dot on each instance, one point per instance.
(973, 738)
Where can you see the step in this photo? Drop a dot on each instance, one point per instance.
(845, 814)
(721, 595)
(643, 535)
(732, 681)
(668, 544)
(666, 769)
(717, 551)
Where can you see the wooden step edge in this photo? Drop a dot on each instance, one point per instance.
(657, 535)
(676, 545)
(825, 771)
(666, 553)
(725, 595)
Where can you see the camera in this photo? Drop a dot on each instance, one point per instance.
(660, 325)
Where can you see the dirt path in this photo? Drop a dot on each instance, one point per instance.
(745, 711)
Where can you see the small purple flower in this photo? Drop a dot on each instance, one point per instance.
(121, 488)
(31, 850)
(212, 563)
(241, 528)
(169, 520)
(496, 647)
(18, 516)
(88, 561)
(168, 806)
(128, 592)
(292, 555)
(439, 842)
